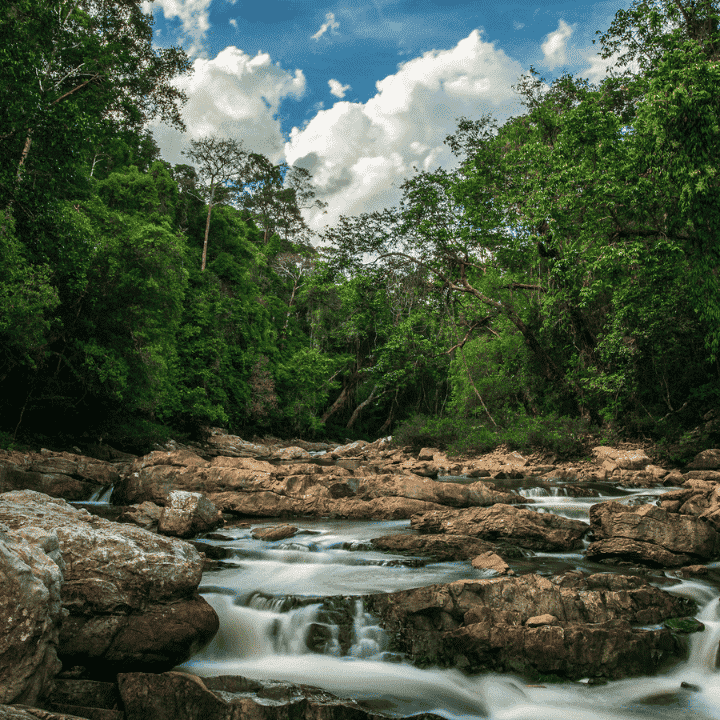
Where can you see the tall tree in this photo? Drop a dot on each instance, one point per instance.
(220, 162)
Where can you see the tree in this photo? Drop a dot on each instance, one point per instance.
(220, 162)
(83, 62)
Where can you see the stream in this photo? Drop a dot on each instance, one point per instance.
(263, 636)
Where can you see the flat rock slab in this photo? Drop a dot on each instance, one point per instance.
(537, 531)
(572, 625)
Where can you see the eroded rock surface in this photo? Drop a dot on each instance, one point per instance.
(650, 534)
(131, 594)
(529, 529)
(481, 625)
(30, 615)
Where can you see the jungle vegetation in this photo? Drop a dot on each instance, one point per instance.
(561, 280)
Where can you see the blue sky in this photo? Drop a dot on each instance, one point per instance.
(361, 93)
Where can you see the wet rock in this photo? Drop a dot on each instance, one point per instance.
(536, 531)
(131, 594)
(439, 547)
(30, 616)
(624, 459)
(650, 534)
(490, 561)
(486, 622)
(177, 696)
(275, 532)
(25, 712)
(188, 514)
(477, 494)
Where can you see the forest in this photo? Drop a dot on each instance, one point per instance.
(561, 281)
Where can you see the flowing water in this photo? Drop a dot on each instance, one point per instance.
(273, 627)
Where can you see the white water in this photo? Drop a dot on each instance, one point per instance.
(259, 641)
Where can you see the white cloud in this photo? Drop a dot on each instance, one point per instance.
(518, 25)
(193, 14)
(329, 24)
(233, 95)
(359, 153)
(233, 22)
(337, 88)
(555, 46)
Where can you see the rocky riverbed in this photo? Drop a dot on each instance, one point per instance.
(235, 579)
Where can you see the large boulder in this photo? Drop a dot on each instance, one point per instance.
(506, 523)
(439, 547)
(30, 615)
(706, 460)
(131, 594)
(66, 475)
(188, 514)
(572, 625)
(650, 534)
(612, 458)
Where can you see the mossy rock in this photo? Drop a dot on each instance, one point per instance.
(684, 625)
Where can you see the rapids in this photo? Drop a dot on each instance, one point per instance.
(263, 636)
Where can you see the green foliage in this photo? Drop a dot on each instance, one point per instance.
(563, 436)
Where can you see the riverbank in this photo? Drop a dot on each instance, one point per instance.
(380, 562)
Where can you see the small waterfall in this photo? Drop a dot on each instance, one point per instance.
(369, 639)
(102, 495)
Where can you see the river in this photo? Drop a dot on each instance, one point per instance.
(261, 637)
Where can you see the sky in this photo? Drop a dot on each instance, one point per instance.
(363, 94)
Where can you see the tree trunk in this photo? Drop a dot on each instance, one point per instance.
(207, 231)
(361, 406)
(343, 397)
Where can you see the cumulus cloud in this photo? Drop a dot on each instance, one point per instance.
(193, 14)
(359, 153)
(330, 24)
(337, 88)
(234, 95)
(555, 46)
(233, 22)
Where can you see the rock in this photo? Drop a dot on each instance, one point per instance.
(145, 515)
(651, 534)
(477, 494)
(624, 459)
(178, 696)
(440, 547)
(495, 624)
(275, 532)
(30, 616)
(539, 620)
(537, 531)
(706, 460)
(25, 712)
(382, 508)
(291, 453)
(131, 594)
(188, 514)
(427, 454)
(490, 561)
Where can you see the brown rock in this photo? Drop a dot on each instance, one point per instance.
(706, 460)
(121, 574)
(625, 459)
(427, 454)
(188, 514)
(382, 508)
(537, 531)
(540, 620)
(146, 515)
(275, 532)
(647, 525)
(490, 561)
(486, 622)
(440, 547)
